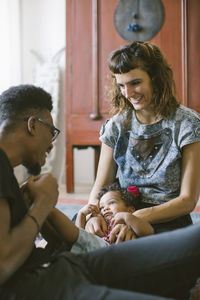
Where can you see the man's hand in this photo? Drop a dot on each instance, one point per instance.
(26, 195)
(42, 190)
(97, 225)
(121, 233)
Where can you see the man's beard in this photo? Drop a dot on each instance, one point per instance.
(34, 169)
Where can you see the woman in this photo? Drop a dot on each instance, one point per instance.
(151, 140)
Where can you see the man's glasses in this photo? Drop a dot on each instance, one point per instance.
(54, 131)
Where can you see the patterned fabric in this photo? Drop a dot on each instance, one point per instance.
(150, 156)
(110, 227)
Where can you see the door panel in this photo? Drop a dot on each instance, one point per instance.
(91, 37)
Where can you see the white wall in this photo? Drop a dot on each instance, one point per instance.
(43, 31)
(84, 166)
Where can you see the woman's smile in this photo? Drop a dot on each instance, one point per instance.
(136, 86)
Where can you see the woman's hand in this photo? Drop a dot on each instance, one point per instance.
(139, 226)
(121, 233)
(122, 230)
(97, 225)
(121, 218)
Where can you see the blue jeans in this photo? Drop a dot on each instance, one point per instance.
(165, 264)
(160, 266)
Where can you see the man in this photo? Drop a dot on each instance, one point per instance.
(145, 266)
(26, 137)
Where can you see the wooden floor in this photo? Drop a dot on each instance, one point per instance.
(80, 197)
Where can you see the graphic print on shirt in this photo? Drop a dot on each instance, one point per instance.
(143, 155)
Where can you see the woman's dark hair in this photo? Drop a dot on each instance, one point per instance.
(129, 198)
(149, 58)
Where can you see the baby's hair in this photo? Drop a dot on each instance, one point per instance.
(130, 199)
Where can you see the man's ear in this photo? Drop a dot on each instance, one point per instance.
(131, 209)
(31, 125)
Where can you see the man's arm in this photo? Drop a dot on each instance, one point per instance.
(63, 226)
(57, 226)
(12, 253)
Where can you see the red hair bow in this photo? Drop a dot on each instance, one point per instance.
(133, 190)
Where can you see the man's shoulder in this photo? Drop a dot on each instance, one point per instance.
(4, 161)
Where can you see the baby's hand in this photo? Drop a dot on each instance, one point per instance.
(90, 209)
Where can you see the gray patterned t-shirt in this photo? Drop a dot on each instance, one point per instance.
(150, 156)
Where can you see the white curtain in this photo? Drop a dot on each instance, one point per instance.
(10, 40)
(10, 51)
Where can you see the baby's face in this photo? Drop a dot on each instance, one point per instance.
(111, 203)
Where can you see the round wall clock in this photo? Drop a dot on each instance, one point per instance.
(139, 20)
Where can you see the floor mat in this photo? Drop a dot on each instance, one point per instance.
(69, 209)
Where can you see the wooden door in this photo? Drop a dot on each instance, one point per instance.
(91, 37)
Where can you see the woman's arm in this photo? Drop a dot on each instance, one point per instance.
(106, 172)
(189, 190)
(139, 226)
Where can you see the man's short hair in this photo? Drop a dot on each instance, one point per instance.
(23, 101)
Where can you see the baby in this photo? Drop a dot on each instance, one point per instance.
(116, 206)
